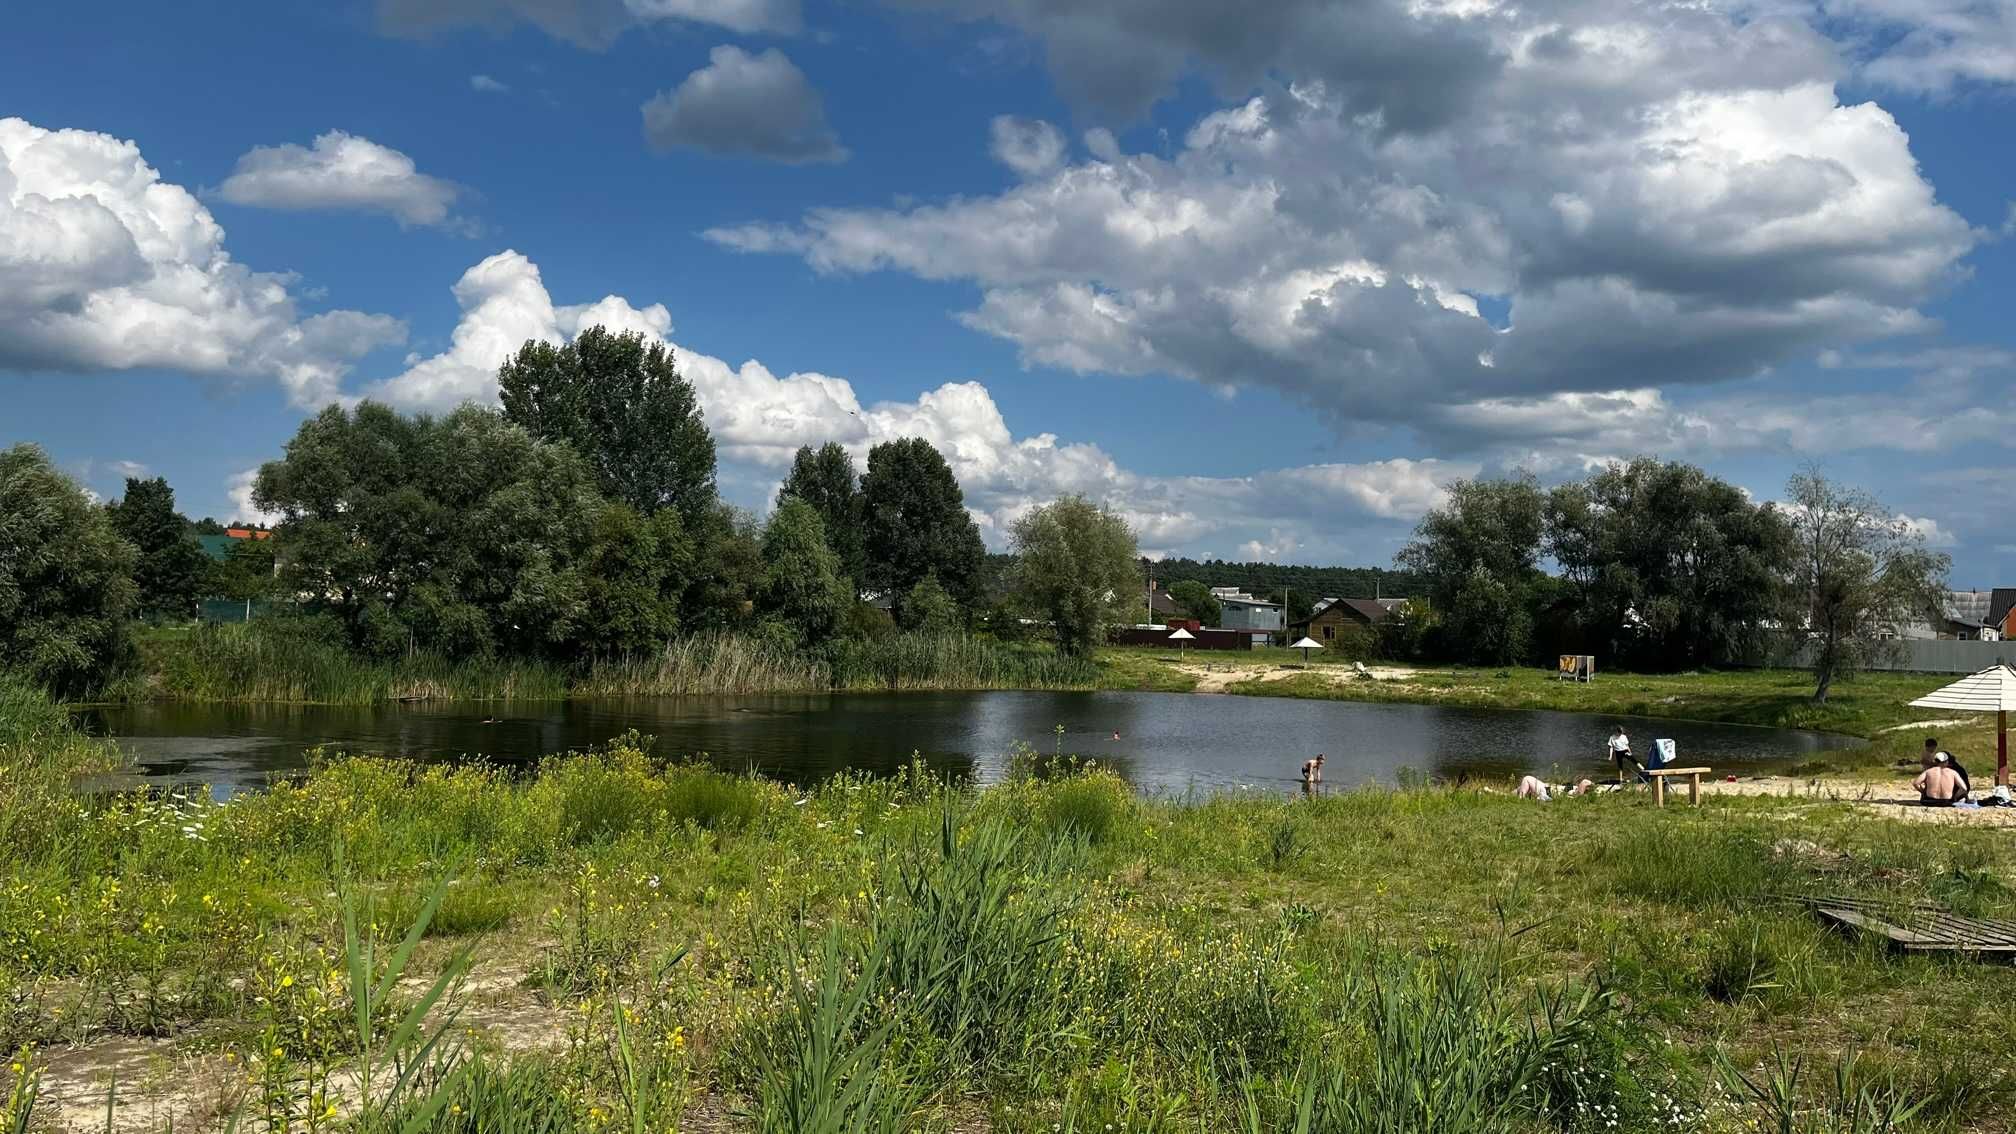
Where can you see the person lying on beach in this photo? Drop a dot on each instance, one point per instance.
(1939, 785)
(1533, 787)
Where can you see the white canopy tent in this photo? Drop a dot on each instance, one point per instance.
(1993, 690)
(1305, 645)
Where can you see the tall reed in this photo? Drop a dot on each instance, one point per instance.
(286, 661)
(278, 661)
(708, 662)
(903, 662)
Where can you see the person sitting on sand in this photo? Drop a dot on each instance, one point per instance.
(1939, 785)
(1620, 754)
(1312, 770)
(1937, 755)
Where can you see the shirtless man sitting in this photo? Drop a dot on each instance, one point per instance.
(1939, 785)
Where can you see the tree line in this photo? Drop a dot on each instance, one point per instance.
(579, 521)
(1660, 566)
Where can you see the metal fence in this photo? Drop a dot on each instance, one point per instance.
(1905, 655)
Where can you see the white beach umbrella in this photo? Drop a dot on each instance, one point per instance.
(1993, 690)
(1305, 645)
(1181, 636)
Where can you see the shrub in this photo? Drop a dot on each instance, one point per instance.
(1090, 805)
(711, 799)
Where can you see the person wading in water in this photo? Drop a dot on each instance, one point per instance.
(1312, 774)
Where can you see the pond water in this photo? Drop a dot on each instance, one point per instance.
(1167, 742)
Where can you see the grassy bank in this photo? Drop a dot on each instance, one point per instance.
(666, 947)
(1860, 704)
(274, 662)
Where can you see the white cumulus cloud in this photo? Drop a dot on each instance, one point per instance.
(1635, 194)
(1029, 146)
(340, 171)
(239, 489)
(757, 105)
(759, 419)
(105, 266)
(1930, 46)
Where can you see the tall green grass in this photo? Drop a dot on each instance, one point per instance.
(41, 754)
(902, 662)
(285, 661)
(709, 662)
(1449, 1043)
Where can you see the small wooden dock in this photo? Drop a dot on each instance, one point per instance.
(1919, 927)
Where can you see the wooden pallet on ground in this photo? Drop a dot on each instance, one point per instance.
(1919, 927)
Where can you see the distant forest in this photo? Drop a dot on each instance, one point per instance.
(1305, 584)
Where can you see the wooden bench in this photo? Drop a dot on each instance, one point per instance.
(1658, 776)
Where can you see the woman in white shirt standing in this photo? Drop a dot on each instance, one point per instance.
(1620, 755)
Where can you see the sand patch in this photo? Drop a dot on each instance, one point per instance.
(1891, 799)
(1216, 676)
(1952, 722)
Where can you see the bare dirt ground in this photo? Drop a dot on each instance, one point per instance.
(184, 1085)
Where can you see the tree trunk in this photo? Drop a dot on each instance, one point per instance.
(1823, 669)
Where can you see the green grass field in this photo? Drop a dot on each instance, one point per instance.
(658, 947)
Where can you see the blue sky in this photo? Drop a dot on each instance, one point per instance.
(1265, 284)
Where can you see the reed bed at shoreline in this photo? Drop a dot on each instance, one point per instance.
(663, 946)
(912, 662)
(253, 662)
(707, 663)
(274, 663)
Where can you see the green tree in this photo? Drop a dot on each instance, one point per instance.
(621, 404)
(727, 570)
(1492, 618)
(1668, 567)
(246, 573)
(1075, 562)
(1859, 572)
(928, 609)
(1477, 555)
(825, 479)
(1197, 601)
(170, 569)
(637, 567)
(914, 522)
(461, 534)
(66, 580)
(802, 583)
